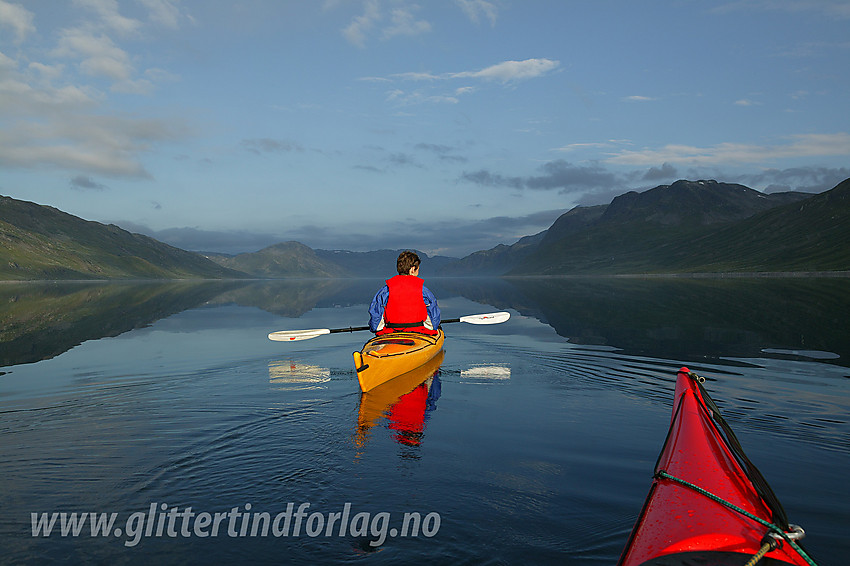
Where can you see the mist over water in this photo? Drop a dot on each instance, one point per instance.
(534, 441)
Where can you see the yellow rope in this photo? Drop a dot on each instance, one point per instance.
(765, 548)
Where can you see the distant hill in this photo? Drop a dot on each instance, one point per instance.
(495, 261)
(41, 242)
(703, 226)
(380, 263)
(294, 259)
(286, 259)
(503, 258)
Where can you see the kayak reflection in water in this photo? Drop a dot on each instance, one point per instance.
(406, 401)
(407, 417)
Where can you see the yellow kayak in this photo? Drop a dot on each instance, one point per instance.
(391, 355)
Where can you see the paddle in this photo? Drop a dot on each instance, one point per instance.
(291, 335)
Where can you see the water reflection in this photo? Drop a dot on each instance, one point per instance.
(41, 320)
(485, 373)
(293, 375)
(664, 317)
(294, 297)
(405, 401)
(684, 318)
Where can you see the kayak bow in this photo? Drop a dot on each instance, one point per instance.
(708, 503)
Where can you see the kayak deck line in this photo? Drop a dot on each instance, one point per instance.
(708, 503)
(775, 534)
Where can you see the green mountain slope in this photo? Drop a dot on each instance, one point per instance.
(701, 226)
(812, 235)
(41, 242)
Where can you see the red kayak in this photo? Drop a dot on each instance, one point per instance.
(708, 503)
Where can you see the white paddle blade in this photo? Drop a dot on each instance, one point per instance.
(489, 318)
(292, 335)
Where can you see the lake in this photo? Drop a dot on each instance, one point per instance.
(164, 412)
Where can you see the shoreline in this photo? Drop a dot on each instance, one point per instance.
(703, 275)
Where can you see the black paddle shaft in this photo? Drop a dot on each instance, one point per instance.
(349, 329)
(358, 328)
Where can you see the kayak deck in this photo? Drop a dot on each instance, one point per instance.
(390, 355)
(708, 503)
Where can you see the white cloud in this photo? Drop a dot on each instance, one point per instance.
(356, 31)
(580, 146)
(163, 12)
(104, 145)
(509, 71)
(477, 8)
(18, 18)
(419, 76)
(47, 72)
(505, 72)
(804, 145)
(65, 127)
(107, 11)
(402, 97)
(69, 156)
(638, 98)
(68, 97)
(99, 56)
(129, 86)
(404, 23)
(6, 62)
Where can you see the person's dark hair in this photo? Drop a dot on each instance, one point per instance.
(406, 260)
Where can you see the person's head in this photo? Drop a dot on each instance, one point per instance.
(407, 260)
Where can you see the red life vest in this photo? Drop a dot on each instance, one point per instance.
(405, 310)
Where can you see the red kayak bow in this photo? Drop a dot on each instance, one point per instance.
(708, 503)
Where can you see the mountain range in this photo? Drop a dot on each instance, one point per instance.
(684, 227)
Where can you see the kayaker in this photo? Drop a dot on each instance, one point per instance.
(405, 304)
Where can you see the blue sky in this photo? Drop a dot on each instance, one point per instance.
(446, 126)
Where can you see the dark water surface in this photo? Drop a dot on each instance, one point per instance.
(534, 443)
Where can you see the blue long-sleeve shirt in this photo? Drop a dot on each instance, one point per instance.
(376, 309)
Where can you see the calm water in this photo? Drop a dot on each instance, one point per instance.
(533, 443)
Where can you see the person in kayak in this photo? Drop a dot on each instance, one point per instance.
(405, 304)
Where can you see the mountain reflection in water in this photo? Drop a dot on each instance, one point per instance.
(666, 317)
